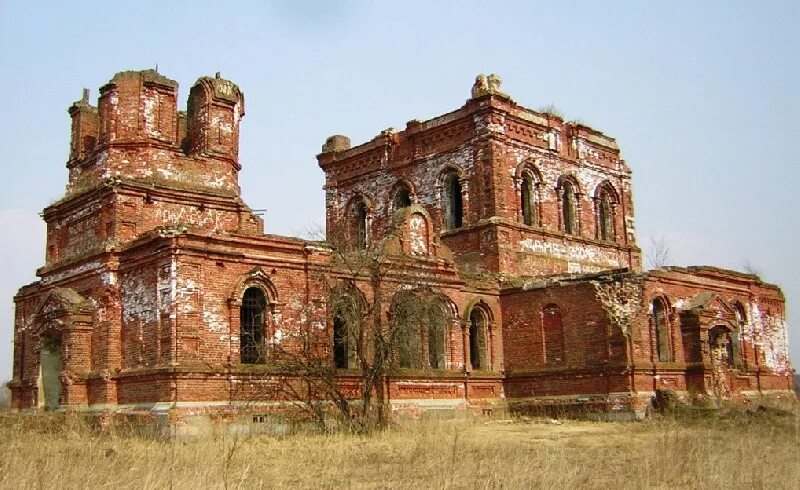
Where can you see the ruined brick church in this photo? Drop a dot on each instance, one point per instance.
(161, 291)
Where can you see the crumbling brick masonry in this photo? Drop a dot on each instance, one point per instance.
(160, 289)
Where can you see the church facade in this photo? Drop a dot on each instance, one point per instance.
(161, 291)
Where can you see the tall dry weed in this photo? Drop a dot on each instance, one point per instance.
(697, 450)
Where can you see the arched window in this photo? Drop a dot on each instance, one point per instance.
(661, 325)
(529, 199)
(734, 345)
(605, 217)
(436, 322)
(404, 331)
(402, 197)
(568, 206)
(340, 342)
(478, 324)
(252, 318)
(452, 202)
(553, 334)
(360, 225)
(418, 319)
(345, 329)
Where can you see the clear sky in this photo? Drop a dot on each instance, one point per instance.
(702, 97)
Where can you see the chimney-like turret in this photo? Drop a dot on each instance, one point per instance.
(138, 106)
(215, 108)
(85, 128)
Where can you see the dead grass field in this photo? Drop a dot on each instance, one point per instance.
(733, 449)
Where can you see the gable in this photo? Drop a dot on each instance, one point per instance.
(62, 301)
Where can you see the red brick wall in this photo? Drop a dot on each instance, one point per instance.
(489, 142)
(150, 252)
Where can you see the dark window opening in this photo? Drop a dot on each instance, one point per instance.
(340, 342)
(402, 198)
(730, 354)
(529, 200)
(435, 337)
(735, 358)
(606, 218)
(477, 339)
(405, 315)
(453, 202)
(568, 208)
(661, 324)
(361, 225)
(252, 319)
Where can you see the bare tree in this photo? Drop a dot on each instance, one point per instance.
(347, 363)
(657, 254)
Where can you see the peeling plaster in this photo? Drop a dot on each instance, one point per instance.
(621, 301)
(768, 333)
(575, 254)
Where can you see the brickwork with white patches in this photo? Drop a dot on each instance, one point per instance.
(151, 254)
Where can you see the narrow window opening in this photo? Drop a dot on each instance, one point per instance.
(361, 225)
(734, 356)
(529, 200)
(568, 208)
(404, 319)
(402, 198)
(729, 350)
(477, 339)
(340, 342)
(606, 218)
(435, 332)
(662, 331)
(453, 202)
(252, 319)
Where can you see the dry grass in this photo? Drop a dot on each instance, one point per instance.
(728, 449)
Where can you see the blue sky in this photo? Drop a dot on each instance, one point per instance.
(702, 97)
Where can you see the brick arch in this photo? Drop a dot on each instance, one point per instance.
(453, 204)
(359, 197)
(401, 223)
(479, 341)
(528, 165)
(255, 278)
(606, 199)
(449, 168)
(738, 307)
(352, 223)
(663, 336)
(401, 217)
(476, 302)
(349, 288)
(346, 303)
(569, 177)
(528, 197)
(570, 218)
(402, 182)
(422, 343)
(607, 186)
